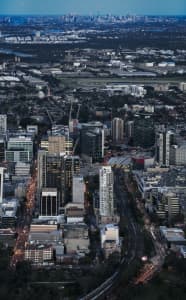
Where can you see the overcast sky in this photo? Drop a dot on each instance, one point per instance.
(120, 7)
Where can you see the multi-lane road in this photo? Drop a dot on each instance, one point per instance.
(24, 223)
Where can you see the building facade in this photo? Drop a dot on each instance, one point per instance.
(78, 189)
(106, 198)
(1, 184)
(117, 130)
(49, 204)
(163, 145)
(3, 124)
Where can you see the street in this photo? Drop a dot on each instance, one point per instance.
(24, 223)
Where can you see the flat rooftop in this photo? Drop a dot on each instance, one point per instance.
(173, 234)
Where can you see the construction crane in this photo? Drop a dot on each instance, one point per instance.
(70, 112)
(49, 116)
(75, 146)
(77, 115)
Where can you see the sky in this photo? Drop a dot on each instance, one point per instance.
(120, 7)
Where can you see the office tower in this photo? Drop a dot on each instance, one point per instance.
(19, 149)
(106, 191)
(117, 130)
(49, 202)
(1, 184)
(178, 155)
(2, 149)
(69, 146)
(60, 145)
(78, 189)
(53, 174)
(172, 205)
(92, 144)
(3, 124)
(163, 143)
(71, 168)
(144, 133)
(50, 174)
(44, 144)
(41, 166)
(129, 129)
(57, 144)
(55, 171)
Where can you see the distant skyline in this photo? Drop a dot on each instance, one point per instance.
(119, 7)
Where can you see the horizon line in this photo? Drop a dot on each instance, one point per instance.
(93, 14)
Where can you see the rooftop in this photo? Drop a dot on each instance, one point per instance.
(173, 234)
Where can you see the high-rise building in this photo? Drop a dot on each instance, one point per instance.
(19, 149)
(117, 130)
(1, 184)
(41, 162)
(172, 205)
(49, 205)
(53, 174)
(178, 155)
(71, 168)
(55, 171)
(163, 145)
(129, 129)
(3, 124)
(2, 149)
(60, 145)
(50, 174)
(18, 156)
(57, 144)
(106, 191)
(92, 144)
(78, 189)
(144, 133)
(44, 144)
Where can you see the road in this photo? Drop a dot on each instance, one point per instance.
(96, 82)
(24, 223)
(156, 262)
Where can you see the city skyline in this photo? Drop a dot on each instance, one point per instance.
(57, 7)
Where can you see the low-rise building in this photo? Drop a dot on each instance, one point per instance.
(173, 235)
(110, 241)
(74, 213)
(39, 254)
(76, 239)
(9, 213)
